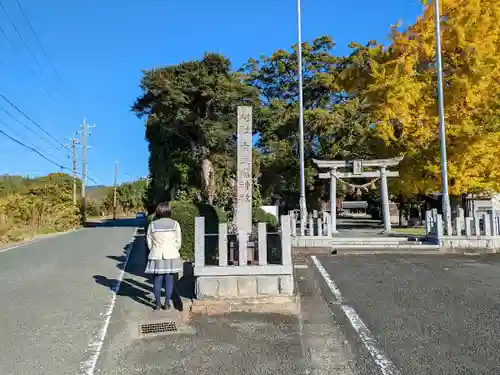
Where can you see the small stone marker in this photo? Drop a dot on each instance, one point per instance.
(487, 225)
(439, 226)
(468, 226)
(477, 226)
(428, 223)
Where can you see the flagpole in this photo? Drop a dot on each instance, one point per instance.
(302, 200)
(442, 129)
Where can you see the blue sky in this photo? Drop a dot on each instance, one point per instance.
(99, 48)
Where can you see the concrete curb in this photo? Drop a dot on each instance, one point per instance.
(303, 253)
(387, 252)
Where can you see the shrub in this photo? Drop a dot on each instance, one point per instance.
(43, 209)
(261, 216)
(93, 208)
(221, 214)
(213, 217)
(185, 213)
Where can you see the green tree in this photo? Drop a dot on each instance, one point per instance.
(337, 125)
(130, 197)
(190, 112)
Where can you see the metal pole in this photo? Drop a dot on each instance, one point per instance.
(442, 131)
(302, 200)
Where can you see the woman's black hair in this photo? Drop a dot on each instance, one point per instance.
(163, 210)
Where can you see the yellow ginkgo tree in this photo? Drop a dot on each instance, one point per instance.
(400, 82)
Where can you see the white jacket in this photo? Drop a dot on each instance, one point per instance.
(164, 239)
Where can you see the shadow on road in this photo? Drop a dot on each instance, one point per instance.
(137, 292)
(142, 290)
(110, 223)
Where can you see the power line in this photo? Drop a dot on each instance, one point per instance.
(22, 59)
(38, 40)
(32, 149)
(22, 39)
(19, 135)
(27, 127)
(34, 122)
(62, 167)
(132, 175)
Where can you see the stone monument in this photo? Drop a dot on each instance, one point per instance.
(242, 222)
(246, 280)
(244, 179)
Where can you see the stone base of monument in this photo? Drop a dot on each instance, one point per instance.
(258, 284)
(237, 282)
(276, 305)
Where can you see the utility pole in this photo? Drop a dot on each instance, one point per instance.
(84, 162)
(85, 133)
(114, 190)
(73, 147)
(74, 142)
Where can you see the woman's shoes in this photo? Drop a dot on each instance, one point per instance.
(164, 307)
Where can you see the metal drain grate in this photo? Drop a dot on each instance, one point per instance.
(158, 328)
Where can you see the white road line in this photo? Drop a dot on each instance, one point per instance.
(93, 352)
(380, 358)
(333, 287)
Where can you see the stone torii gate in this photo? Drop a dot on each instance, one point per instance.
(357, 171)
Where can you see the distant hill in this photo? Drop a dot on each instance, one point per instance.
(96, 191)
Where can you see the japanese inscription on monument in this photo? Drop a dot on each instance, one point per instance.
(244, 171)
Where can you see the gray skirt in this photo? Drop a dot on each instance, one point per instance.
(163, 266)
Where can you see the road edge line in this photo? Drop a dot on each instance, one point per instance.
(93, 352)
(329, 281)
(384, 364)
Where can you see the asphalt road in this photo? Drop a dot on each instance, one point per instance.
(50, 303)
(429, 314)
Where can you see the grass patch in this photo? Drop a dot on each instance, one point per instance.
(410, 231)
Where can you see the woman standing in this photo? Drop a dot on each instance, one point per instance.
(164, 241)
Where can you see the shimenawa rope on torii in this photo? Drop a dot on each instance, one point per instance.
(357, 188)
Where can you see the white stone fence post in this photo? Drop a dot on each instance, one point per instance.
(200, 235)
(481, 231)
